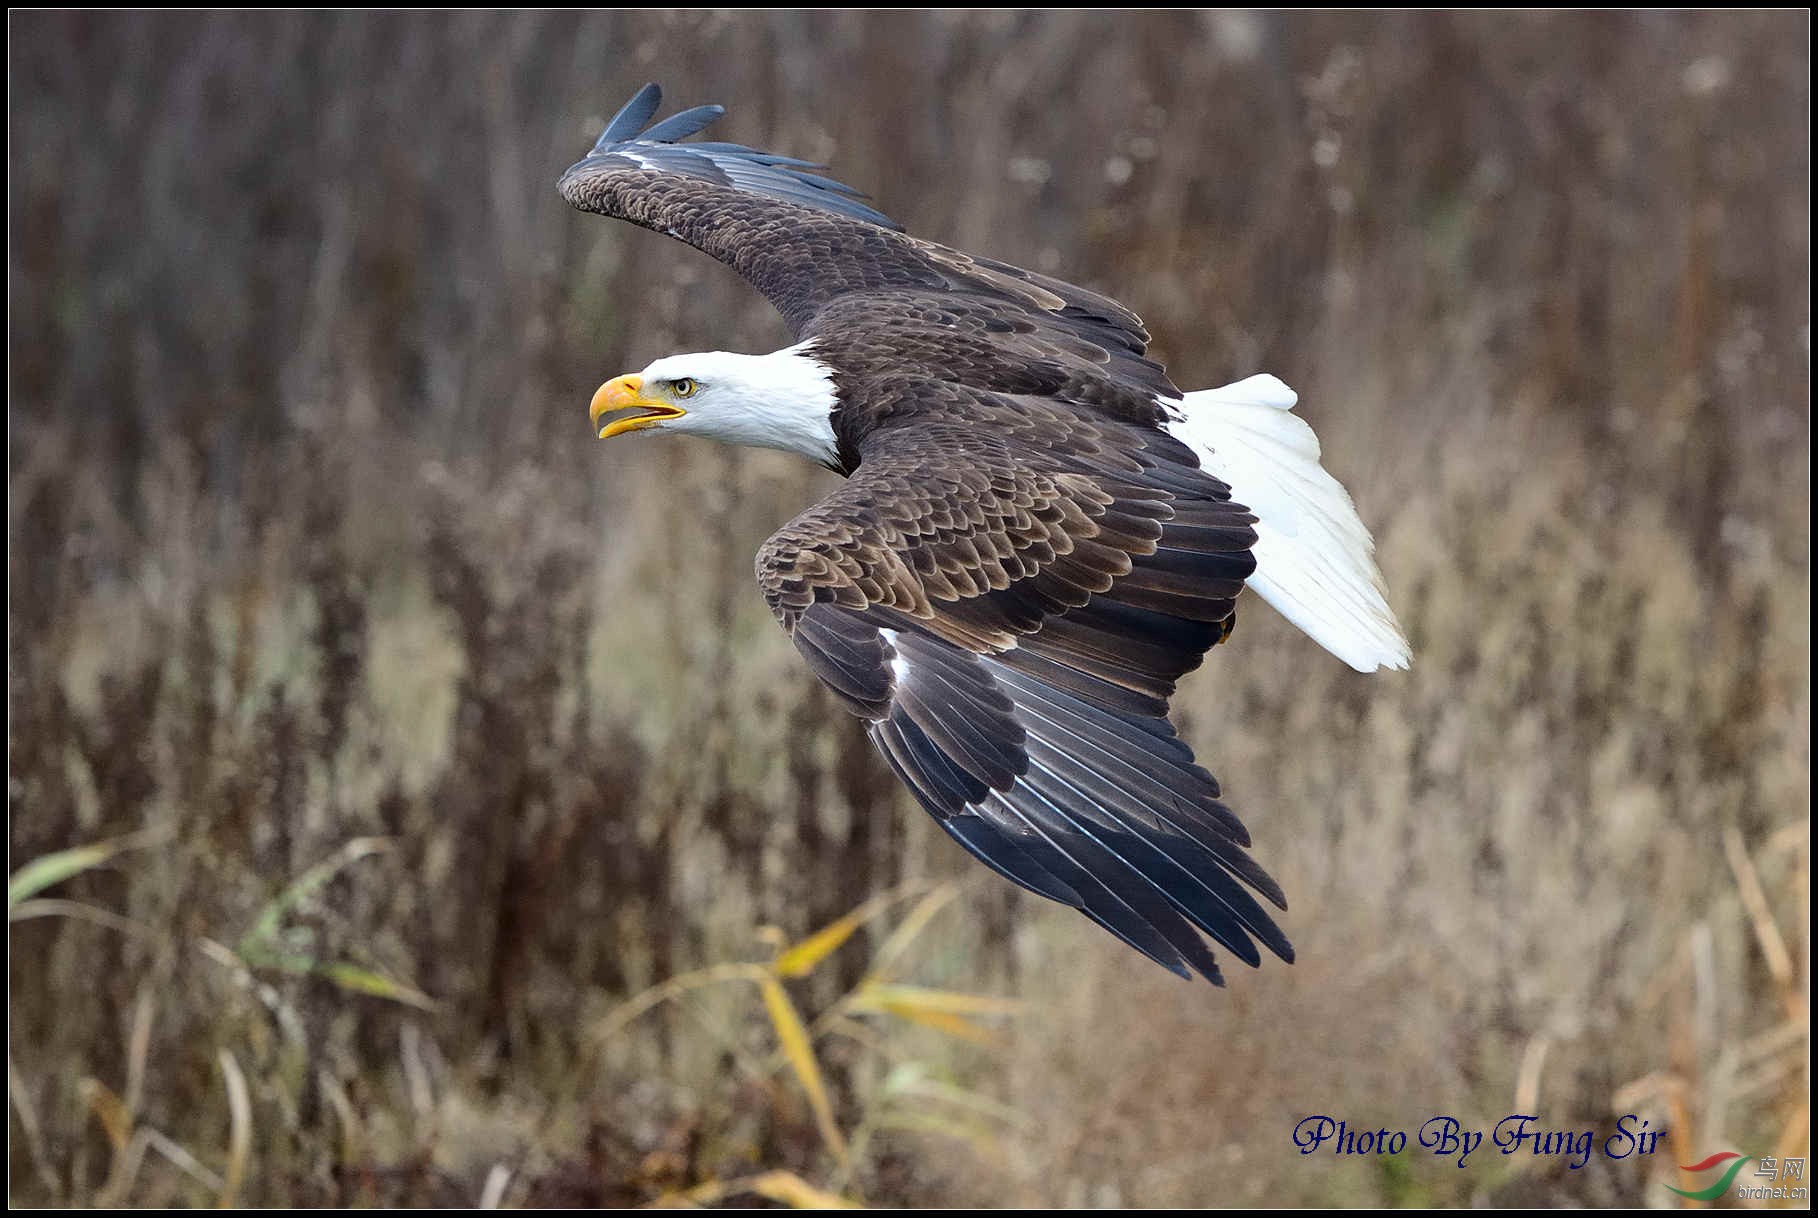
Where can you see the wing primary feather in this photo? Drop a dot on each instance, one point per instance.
(1156, 799)
(1148, 858)
(762, 158)
(626, 144)
(684, 124)
(1153, 733)
(943, 788)
(1094, 749)
(1136, 904)
(991, 846)
(948, 726)
(1233, 914)
(1098, 900)
(1144, 708)
(632, 116)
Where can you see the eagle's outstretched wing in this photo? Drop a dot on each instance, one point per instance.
(843, 273)
(1010, 607)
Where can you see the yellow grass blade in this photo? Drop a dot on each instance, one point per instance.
(800, 959)
(946, 1011)
(109, 1112)
(793, 1035)
(1754, 900)
(881, 996)
(956, 1026)
(793, 1191)
(239, 1136)
(783, 1187)
(690, 1199)
(138, 1045)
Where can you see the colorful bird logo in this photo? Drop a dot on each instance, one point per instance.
(1716, 1190)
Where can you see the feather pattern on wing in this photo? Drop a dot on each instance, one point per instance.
(1009, 608)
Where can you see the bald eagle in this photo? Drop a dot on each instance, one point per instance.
(1038, 536)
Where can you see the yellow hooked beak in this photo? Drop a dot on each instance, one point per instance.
(627, 393)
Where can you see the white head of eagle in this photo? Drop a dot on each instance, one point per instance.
(783, 400)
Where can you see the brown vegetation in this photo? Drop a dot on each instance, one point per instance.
(416, 733)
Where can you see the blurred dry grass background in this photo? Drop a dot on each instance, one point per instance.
(445, 730)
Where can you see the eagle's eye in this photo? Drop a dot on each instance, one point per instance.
(684, 387)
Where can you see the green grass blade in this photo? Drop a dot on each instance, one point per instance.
(59, 865)
(264, 928)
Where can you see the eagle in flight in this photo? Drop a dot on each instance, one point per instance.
(1038, 534)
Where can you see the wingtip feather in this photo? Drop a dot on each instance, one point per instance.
(632, 115)
(658, 146)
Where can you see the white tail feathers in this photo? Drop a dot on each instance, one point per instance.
(1314, 559)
